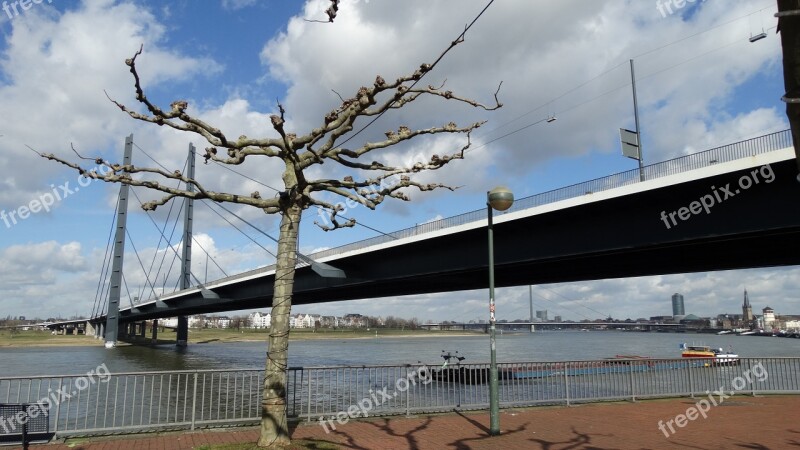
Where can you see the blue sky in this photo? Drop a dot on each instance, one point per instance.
(701, 84)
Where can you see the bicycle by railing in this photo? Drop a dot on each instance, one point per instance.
(155, 401)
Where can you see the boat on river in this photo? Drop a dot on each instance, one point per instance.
(714, 356)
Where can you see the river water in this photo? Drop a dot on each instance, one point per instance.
(524, 347)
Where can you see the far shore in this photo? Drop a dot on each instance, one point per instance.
(23, 339)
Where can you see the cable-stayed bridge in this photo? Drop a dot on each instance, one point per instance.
(731, 207)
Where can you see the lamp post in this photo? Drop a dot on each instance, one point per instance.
(499, 198)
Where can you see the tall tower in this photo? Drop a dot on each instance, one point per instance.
(677, 305)
(747, 310)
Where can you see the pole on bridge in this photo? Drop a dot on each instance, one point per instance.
(112, 315)
(186, 257)
(636, 119)
(530, 299)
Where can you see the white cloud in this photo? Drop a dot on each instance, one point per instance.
(54, 68)
(237, 4)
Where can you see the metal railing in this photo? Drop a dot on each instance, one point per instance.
(154, 401)
(731, 152)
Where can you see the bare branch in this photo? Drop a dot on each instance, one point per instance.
(122, 174)
(331, 12)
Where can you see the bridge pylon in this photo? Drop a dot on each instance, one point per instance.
(186, 256)
(112, 315)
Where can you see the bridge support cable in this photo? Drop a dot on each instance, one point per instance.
(161, 232)
(127, 291)
(239, 230)
(141, 265)
(168, 240)
(321, 269)
(112, 316)
(101, 282)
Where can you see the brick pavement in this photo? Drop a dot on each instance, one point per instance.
(740, 422)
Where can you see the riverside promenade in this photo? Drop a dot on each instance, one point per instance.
(739, 422)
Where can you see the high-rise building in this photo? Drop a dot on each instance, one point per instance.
(747, 310)
(677, 305)
(542, 315)
(557, 319)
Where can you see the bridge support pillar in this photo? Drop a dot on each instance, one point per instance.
(90, 330)
(183, 331)
(154, 339)
(143, 330)
(115, 291)
(100, 331)
(533, 328)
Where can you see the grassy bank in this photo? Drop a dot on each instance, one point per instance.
(212, 335)
(38, 338)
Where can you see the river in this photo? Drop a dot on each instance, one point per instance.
(539, 346)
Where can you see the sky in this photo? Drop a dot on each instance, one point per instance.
(701, 83)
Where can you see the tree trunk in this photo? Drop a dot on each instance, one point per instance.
(274, 424)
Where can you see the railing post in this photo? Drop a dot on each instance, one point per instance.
(194, 400)
(308, 405)
(408, 401)
(750, 371)
(630, 381)
(58, 406)
(691, 379)
(566, 382)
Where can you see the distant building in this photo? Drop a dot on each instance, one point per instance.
(747, 310)
(258, 320)
(677, 305)
(769, 317)
(542, 315)
(557, 319)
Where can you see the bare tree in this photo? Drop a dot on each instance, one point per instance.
(297, 153)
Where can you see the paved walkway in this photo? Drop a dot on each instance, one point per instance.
(738, 422)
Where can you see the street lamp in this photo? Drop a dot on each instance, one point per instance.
(499, 198)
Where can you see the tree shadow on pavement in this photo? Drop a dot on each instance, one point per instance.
(385, 426)
(579, 441)
(461, 444)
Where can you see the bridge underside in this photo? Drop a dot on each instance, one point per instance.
(614, 238)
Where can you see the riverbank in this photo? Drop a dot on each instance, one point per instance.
(37, 338)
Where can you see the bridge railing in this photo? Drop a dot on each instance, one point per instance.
(157, 401)
(725, 153)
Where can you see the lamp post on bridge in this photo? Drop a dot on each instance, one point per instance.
(499, 198)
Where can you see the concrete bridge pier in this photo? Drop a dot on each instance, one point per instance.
(101, 330)
(89, 329)
(142, 329)
(183, 331)
(154, 339)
